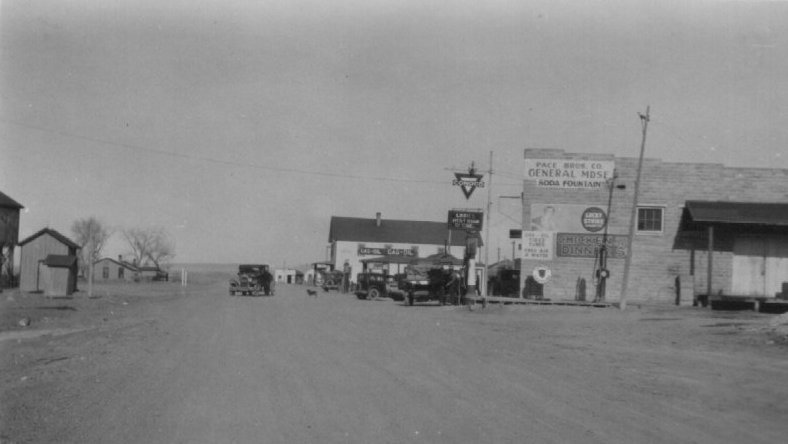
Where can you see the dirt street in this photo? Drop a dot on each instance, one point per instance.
(157, 363)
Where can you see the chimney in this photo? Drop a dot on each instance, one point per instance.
(377, 219)
(120, 258)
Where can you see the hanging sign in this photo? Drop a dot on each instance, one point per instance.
(466, 220)
(468, 182)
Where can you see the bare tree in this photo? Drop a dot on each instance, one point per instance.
(149, 245)
(91, 235)
(162, 250)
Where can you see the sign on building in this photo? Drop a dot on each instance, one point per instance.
(567, 218)
(383, 251)
(587, 245)
(537, 245)
(469, 220)
(564, 173)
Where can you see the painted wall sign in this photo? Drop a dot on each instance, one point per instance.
(567, 218)
(537, 245)
(565, 173)
(587, 245)
(466, 220)
(375, 251)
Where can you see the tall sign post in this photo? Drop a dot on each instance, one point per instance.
(471, 222)
(468, 183)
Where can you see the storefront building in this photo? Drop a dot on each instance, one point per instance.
(352, 240)
(575, 203)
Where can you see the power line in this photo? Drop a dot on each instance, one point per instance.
(217, 161)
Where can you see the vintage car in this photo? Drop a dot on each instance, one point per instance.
(326, 277)
(377, 285)
(252, 280)
(432, 279)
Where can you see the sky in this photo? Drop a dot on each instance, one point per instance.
(241, 127)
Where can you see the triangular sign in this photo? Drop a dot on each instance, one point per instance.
(468, 182)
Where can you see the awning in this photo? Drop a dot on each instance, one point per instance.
(729, 219)
(388, 260)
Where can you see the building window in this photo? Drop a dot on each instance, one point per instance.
(121, 270)
(105, 272)
(650, 219)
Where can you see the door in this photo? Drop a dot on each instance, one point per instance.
(760, 265)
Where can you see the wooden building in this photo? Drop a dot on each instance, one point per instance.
(9, 235)
(353, 240)
(108, 269)
(33, 259)
(58, 275)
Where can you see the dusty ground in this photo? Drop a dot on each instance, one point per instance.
(158, 363)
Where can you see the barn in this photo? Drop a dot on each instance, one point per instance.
(44, 257)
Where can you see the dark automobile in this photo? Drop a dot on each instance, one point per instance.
(430, 282)
(252, 279)
(376, 285)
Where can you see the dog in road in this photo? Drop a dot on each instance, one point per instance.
(312, 293)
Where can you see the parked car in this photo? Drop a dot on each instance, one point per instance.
(252, 279)
(377, 285)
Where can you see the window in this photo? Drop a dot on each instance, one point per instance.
(105, 272)
(650, 219)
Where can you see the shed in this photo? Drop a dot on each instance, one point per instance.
(58, 275)
(34, 252)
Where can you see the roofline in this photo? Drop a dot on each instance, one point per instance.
(54, 233)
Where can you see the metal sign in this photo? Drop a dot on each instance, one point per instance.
(468, 181)
(466, 220)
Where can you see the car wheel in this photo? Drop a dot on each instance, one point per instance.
(373, 294)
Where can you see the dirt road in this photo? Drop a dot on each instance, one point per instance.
(199, 366)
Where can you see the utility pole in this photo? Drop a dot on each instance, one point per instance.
(633, 216)
(90, 263)
(602, 273)
(487, 232)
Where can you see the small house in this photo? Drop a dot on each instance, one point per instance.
(108, 269)
(43, 252)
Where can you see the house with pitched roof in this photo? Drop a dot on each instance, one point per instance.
(46, 263)
(354, 239)
(109, 269)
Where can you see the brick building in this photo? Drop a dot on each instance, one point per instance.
(568, 200)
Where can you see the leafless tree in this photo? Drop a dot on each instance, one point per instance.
(91, 235)
(150, 244)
